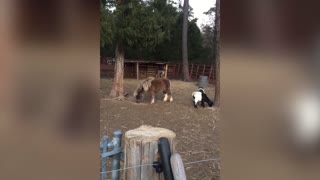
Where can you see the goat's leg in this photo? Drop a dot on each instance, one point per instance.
(202, 104)
(195, 104)
(210, 103)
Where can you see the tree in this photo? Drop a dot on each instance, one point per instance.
(186, 76)
(170, 50)
(117, 87)
(217, 52)
(106, 24)
(131, 23)
(208, 29)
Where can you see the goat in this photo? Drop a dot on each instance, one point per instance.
(200, 95)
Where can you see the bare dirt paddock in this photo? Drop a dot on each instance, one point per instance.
(196, 129)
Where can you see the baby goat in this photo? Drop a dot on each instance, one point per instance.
(201, 96)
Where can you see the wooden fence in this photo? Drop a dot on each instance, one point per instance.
(195, 70)
(175, 70)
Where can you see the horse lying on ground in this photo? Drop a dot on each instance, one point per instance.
(200, 96)
(153, 86)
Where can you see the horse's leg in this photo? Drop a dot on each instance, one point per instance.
(171, 98)
(165, 97)
(170, 94)
(152, 97)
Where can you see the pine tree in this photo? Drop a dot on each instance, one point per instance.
(131, 23)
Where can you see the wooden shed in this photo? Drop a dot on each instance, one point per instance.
(143, 69)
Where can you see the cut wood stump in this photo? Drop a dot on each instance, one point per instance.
(141, 150)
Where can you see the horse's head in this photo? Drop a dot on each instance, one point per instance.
(139, 98)
(138, 94)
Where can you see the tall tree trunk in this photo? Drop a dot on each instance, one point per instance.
(186, 76)
(267, 26)
(117, 87)
(217, 61)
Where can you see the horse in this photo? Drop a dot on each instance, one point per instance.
(153, 86)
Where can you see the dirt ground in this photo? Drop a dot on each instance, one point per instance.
(196, 129)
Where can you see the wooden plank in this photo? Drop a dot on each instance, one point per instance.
(137, 71)
(141, 148)
(178, 71)
(166, 71)
(133, 151)
(204, 68)
(191, 71)
(210, 73)
(197, 71)
(177, 167)
(106, 67)
(148, 148)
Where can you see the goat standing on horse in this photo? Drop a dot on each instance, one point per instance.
(153, 86)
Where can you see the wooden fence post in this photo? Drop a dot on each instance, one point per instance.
(137, 70)
(178, 71)
(166, 71)
(204, 68)
(191, 71)
(211, 72)
(141, 147)
(197, 71)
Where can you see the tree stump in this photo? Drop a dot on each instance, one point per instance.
(141, 148)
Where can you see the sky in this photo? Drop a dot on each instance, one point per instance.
(199, 7)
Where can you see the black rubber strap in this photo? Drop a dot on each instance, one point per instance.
(165, 154)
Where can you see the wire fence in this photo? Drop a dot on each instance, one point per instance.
(112, 149)
(187, 163)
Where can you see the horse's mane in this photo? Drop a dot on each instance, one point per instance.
(144, 85)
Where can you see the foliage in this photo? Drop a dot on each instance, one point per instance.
(106, 24)
(152, 30)
(209, 41)
(171, 50)
(137, 23)
(211, 13)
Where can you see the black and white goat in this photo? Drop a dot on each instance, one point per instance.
(200, 96)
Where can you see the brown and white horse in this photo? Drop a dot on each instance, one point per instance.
(153, 86)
